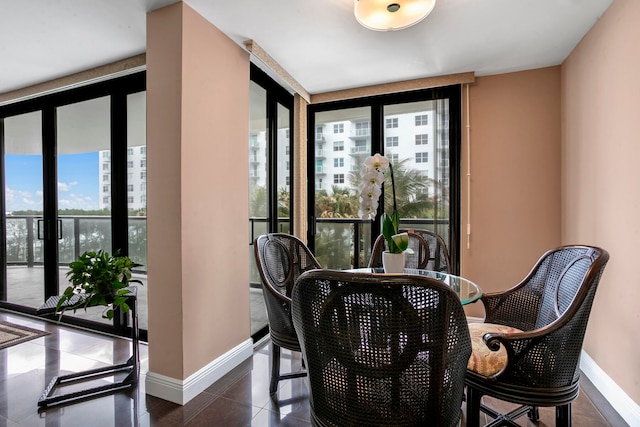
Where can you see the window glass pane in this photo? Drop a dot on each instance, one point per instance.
(83, 135)
(137, 195)
(420, 159)
(284, 187)
(258, 211)
(24, 207)
(339, 157)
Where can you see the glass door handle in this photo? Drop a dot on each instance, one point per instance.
(40, 229)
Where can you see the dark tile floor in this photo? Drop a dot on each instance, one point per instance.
(240, 398)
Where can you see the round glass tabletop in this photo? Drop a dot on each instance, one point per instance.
(466, 290)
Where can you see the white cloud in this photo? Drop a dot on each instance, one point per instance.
(63, 186)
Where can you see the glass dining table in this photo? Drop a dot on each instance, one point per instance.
(466, 290)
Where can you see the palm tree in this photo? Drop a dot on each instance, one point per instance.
(412, 192)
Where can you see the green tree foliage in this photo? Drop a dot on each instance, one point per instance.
(412, 192)
(341, 203)
(414, 196)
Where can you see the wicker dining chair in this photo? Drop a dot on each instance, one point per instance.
(429, 251)
(381, 350)
(280, 259)
(528, 350)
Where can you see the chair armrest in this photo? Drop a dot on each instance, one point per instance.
(539, 357)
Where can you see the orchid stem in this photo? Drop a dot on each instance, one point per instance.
(393, 187)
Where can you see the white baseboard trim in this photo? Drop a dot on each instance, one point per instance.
(471, 319)
(182, 391)
(621, 402)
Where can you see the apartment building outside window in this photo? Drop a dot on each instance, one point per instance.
(422, 157)
(391, 141)
(338, 162)
(362, 128)
(338, 178)
(392, 123)
(338, 146)
(422, 120)
(338, 128)
(422, 139)
(360, 147)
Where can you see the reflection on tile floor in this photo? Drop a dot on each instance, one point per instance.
(240, 398)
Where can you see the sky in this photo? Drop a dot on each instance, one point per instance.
(78, 182)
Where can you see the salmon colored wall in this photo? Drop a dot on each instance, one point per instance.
(198, 109)
(164, 216)
(601, 196)
(514, 214)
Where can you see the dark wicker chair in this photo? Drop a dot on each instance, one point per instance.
(281, 258)
(381, 350)
(551, 307)
(430, 251)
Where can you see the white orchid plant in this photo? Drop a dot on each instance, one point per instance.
(370, 191)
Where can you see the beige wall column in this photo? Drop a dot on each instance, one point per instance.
(299, 210)
(515, 177)
(197, 151)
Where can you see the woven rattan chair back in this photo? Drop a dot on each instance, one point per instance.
(429, 251)
(280, 259)
(381, 350)
(552, 305)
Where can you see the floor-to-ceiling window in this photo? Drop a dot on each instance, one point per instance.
(270, 165)
(74, 179)
(419, 132)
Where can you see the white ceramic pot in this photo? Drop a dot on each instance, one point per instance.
(393, 263)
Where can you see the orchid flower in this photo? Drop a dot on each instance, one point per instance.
(368, 208)
(370, 191)
(377, 162)
(373, 177)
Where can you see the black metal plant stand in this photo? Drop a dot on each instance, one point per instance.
(132, 366)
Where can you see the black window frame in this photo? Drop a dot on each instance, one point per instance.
(377, 125)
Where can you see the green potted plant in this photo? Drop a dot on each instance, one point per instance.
(98, 278)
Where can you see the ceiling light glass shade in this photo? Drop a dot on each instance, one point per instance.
(390, 15)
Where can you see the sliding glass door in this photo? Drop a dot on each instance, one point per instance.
(419, 132)
(23, 207)
(70, 185)
(270, 165)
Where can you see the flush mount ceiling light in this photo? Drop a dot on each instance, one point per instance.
(389, 15)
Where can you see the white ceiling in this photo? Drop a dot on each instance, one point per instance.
(318, 42)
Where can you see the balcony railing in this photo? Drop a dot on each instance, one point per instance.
(78, 234)
(338, 240)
